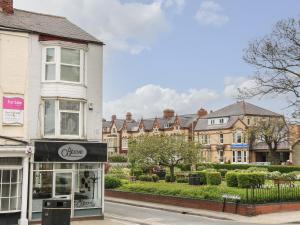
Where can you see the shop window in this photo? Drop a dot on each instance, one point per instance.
(63, 118)
(10, 190)
(63, 64)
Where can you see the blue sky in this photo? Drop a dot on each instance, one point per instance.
(183, 54)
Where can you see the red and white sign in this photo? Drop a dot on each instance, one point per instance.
(13, 110)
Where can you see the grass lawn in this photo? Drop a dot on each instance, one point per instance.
(182, 190)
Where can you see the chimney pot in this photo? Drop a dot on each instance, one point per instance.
(7, 6)
(128, 116)
(202, 112)
(168, 113)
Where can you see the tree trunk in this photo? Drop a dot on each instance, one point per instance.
(274, 157)
(172, 173)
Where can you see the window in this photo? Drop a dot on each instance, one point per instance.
(204, 139)
(125, 143)
(221, 156)
(221, 121)
(10, 186)
(212, 122)
(248, 121)
(221, 138)
(239, 156)
(63, 64)
(63, 118)
(238, 137)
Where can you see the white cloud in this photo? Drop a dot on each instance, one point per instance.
(232, 84)
(178, 5)
(131, 26)
(150, 100)
(210, 13)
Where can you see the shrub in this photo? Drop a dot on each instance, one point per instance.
(213, 178)
(119, 172)
(117, 158)
(199, 168)
(145, 178)
(223, 172)
(136, 172)
(270, 168)
(289, 176)
(169, 179)
(182, 180)
(155, 178)
(231, 179)
(184, 167)
(257, 169)
(112, 182)
(247, 180)
(273, 175)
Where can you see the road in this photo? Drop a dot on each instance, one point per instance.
(132, 215)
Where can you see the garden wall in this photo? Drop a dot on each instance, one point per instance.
(242, 209)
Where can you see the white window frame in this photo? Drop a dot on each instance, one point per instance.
(58, 63)
(82, 119)
(221, 136)
(243, 157)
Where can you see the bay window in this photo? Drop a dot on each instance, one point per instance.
(239, 156)
(63, 64)
(63, 118)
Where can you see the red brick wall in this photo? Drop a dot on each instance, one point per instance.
(242, 209)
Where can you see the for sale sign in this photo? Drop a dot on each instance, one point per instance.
(13, 110)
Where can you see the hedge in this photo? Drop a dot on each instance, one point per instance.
(248, 179)
(117, 158)
(169, 179)
(112, 182)
(213, 178)
(202, 175)
(145, 178)
(231, 179)
(271, 168)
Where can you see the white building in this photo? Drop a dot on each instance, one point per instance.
(50, 116)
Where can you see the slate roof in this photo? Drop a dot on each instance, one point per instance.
(148, 124)
(119, 124)
(133, 126)
(106, 124)
(241, 108)
(45, 24)
(202, 124)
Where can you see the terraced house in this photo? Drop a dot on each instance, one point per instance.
(50, 98)
(221, 133)
(116, 132)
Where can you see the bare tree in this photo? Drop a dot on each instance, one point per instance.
(276, 58)
(271, 131)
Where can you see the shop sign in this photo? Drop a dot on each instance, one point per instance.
(241, 145)
(13, 110)
(63, 151)
(72, 152)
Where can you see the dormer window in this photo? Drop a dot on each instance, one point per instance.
(166, 125)
(212, 122)
(63, 64)
(221, 121)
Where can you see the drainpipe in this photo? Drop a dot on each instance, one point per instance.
(23, 220)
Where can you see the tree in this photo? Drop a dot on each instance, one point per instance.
(165, 150)
(276, 58)
(272, 132)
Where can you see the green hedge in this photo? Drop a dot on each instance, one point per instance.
(112, 182)
(271, 168)
(145, 178)
(169, 179)
(202, 175)
(117, 158)
(136, 172)
(213, 178)
(248, 179)
(231, 179)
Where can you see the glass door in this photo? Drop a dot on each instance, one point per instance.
(62, 185)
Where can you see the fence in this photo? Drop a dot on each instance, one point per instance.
(278, 193)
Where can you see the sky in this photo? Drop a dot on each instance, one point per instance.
(179, 54)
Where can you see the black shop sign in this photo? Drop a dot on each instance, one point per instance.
(58, 151)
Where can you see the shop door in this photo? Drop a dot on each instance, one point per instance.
(62, 185)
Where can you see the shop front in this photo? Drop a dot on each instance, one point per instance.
(68, 170)
(14, 164)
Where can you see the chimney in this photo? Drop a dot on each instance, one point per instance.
(7, 6)
(128, 117)
(168, 113)
(113, 117)
(202, 112)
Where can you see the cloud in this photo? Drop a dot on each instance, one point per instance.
(150, 100)
(130, 26)
(178, 5)
(232, 84)
(210, 13)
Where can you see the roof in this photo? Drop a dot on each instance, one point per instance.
(106, 124)
(202, 124)
(133, 126)
(45, 24)
(241, 108)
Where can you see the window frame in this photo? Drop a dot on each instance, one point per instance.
(82, 119)
(58, 63)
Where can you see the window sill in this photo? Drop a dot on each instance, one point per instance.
(65, 82)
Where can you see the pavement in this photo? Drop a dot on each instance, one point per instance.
(292, 217)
